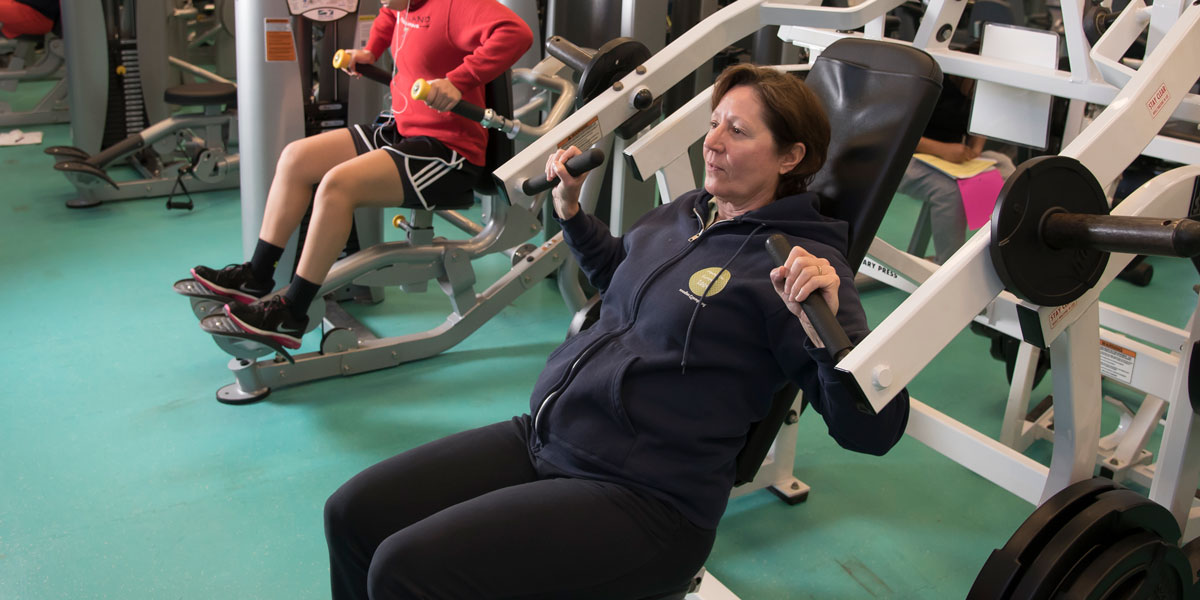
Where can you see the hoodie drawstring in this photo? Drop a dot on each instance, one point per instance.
(687, 338)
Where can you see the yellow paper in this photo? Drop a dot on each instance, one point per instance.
(970, 168)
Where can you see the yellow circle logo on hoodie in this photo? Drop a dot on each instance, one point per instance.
(702, 278)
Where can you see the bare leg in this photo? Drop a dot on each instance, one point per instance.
(302, 164)
(367, 180)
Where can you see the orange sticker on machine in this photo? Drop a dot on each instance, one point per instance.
(1116, 348)
(281, 47)
(585, 136)
(1117, 362)
(1060, 312)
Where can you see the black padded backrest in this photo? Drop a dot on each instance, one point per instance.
(498, 96)
(879, 96)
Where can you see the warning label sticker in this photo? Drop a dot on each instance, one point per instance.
(1116, 362)
(280, 45)
(1060, 312)
(585, 136)
(1158, 100)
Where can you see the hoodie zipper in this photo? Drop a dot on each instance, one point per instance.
(699, 218)
(637, 304)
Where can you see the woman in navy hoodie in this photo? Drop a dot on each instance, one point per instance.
(613, 485)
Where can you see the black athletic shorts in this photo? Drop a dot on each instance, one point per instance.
(434, 176)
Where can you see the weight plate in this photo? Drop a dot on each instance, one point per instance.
(614, 60)
(1112, 516)
(1191, 551)
(1029, 267)
(1141, 565)
(1006, 565)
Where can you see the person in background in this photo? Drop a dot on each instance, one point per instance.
(423, 156)
(27, 17)
(946, 137)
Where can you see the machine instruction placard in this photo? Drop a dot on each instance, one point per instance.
(584, 137)
(1116, 363)
(281, 47)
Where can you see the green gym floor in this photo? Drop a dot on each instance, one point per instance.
(122, 477)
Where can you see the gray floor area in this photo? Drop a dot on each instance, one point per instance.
(122, 477)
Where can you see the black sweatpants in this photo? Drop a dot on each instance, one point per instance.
(475, 515)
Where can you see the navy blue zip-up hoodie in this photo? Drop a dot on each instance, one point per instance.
(615, 403)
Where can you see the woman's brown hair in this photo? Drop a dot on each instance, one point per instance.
(792, 112)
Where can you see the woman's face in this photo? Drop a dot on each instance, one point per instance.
(741, 164)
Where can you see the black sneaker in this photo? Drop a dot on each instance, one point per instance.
(269, 318)
(234, 281)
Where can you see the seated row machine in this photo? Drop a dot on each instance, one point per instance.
(348, 347)
(184, 153)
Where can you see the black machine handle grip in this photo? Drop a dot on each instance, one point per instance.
(420, 89)
(815, 308)
(576, 166)
(341, 60)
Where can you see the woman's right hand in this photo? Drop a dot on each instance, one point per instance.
(356, 57)
(566, 193)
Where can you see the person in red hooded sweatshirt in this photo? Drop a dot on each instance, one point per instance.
(27, 17)
(423, 156)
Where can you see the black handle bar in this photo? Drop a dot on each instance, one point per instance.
(420, 89)
(576, 166)
(341, 60)
(815, 308)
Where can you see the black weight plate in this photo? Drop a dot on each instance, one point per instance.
(1029, 267)
(1005, 566)
(1191, 551)
(614, 60)
(1114, 515)
(1141, 565)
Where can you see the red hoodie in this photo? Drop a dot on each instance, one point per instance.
(469, 42)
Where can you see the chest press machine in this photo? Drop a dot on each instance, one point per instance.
(953, 295)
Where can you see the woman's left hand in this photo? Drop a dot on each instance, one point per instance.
(566, 193)
(442, 95)
(802, 274)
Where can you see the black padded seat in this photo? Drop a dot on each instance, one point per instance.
(201, 94)
(498, 96)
